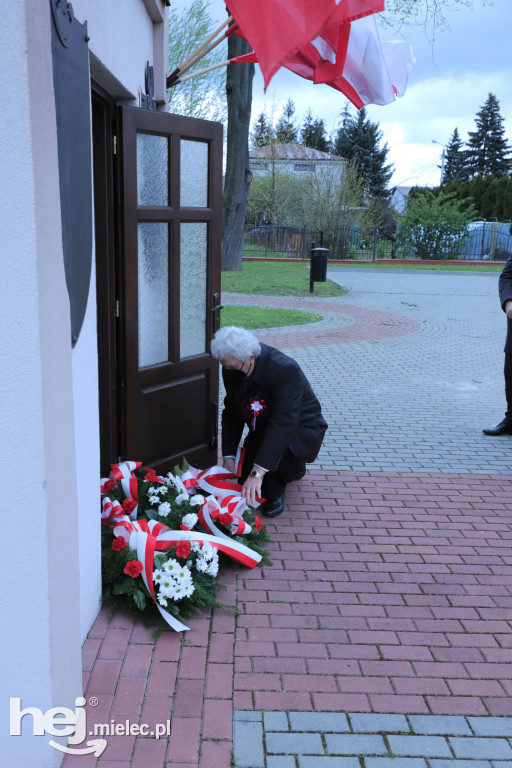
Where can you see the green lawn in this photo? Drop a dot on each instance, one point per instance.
(276, 279)
(466, 266)
(265, 278)
(259, 317)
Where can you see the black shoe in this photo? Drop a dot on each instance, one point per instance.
(272, 507)
(503, 428)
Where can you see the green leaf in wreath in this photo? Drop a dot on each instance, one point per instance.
(140, 599)
(126, 587)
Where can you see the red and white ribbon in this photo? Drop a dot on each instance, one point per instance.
(112, 511)
(124, 473)
(232, 505)
(217, 481)
(148, 537)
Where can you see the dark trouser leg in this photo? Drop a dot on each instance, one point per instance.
(508, 384)
(275, 482)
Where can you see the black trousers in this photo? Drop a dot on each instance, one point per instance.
(508, 383)
(274, 483)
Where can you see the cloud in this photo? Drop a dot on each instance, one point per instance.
(450, 82)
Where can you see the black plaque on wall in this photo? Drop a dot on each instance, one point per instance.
(70, 57)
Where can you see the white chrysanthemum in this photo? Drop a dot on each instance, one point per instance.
(195, 546)
(157, 576)
(183, 576)
(170, 590)
(202, 565)
(171, 566)
(208, 552)
(162, 599)
(190, 520)
(164, 509)
(182, 497)
(213, 567)
(162, 489)
(183, 590)
(196, 500)
(176, 482)
(154, 499)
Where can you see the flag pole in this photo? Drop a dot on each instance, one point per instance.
(202, 71)
(198, 53)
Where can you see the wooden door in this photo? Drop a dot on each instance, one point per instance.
(170, 286)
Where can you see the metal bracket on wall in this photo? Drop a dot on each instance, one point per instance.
(147, 100)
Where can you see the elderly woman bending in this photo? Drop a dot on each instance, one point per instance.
(268, 392)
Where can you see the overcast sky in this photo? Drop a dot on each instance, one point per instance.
(448, 85)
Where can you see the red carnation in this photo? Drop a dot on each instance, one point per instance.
(258, 523)
(225, 518)
(129, 505)
(133, 568)
(119, 543)
(107, 487)
(183, 549)
(150, 476)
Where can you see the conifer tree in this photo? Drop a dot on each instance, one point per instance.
(454, 160)
(286, 130)
(359, 140)
(488, 149)
(262, 133)
(313, 133)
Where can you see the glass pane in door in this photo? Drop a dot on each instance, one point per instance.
(152, 170)
(194, 174)
(193, 263)
(153, 288)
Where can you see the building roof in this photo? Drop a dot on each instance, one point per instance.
(402, 190)
(291, 152)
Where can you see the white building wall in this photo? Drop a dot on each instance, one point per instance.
(125, 34)
(49, 432)
(87, 451)
(40, 628)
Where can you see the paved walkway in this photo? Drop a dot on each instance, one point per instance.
(380, 635)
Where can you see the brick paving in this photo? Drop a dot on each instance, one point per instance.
(380, 635)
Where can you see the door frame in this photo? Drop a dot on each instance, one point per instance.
(132, 120)
(106, 237)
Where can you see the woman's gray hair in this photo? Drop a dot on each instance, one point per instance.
(237, 342)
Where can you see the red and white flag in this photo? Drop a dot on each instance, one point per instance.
(277, 29)
(349, 56)
(375, 72)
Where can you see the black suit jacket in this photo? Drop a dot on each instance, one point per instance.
(278, 404)
(505, 291)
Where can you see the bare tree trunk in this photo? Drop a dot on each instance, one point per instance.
(238, 176)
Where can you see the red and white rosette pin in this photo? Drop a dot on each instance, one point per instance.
(256, 407)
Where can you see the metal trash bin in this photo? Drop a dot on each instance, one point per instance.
(318, 266)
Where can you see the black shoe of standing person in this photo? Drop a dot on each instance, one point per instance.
(271, 507)
(503, 428)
